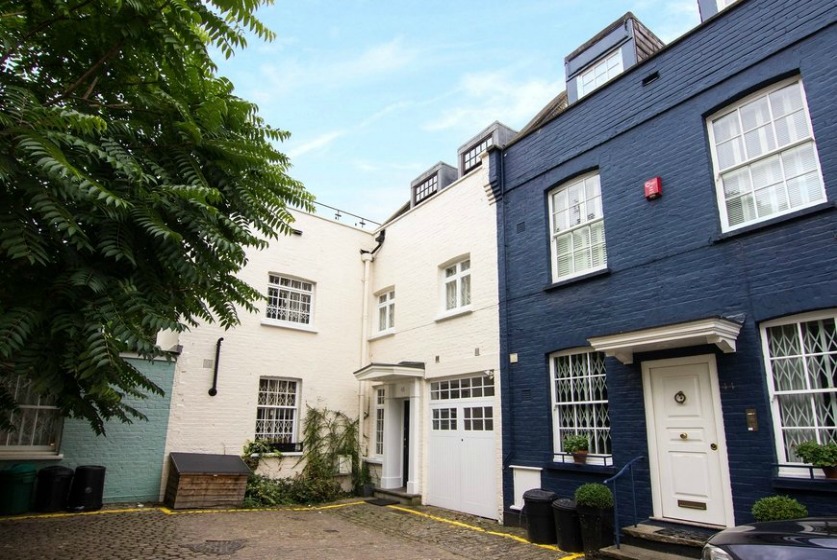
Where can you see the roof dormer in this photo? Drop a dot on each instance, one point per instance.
(621, 45)
(497, 134)
(432, 181)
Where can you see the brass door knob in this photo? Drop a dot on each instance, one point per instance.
(713, 447)
(684, 435)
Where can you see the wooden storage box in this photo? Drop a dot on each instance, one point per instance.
(198, 480)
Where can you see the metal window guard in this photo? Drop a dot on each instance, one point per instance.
(810, 468)
(629, 467)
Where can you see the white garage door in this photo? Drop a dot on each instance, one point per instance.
(462, 457)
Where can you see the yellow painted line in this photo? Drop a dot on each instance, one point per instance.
(168, 511)
(567, 555)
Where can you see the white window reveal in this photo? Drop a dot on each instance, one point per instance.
(277, 414)
(380, 399)
(764, 156)
(604, 70)
(290, 300)
(801, 359)
(37, 421)
(577, 224)
(457, 285)
(386, 311)
(471, 158)
(579, 400)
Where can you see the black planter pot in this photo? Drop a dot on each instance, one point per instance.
(596, 529)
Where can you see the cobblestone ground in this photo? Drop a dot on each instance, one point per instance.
(351, 532)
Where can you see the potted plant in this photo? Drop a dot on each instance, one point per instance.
(778, 508)
(577, 445)
(823, 455)
(594, 502)
(254, 450)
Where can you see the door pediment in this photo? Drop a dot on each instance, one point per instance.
(714, 330)
(390, 373)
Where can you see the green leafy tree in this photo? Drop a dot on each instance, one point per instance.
(132, 182)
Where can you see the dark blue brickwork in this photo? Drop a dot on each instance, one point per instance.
(667, 259)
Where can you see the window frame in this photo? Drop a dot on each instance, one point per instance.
(596, 455)
(585, 224)
(40, 406)
(427, 188)
(296, 408)
(471, 157)
(775, 395)
(460, 278)
(380, 417)
(277, 285)
(386, 310)
(603, 62)
(748, 163)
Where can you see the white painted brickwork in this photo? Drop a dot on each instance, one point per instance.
(328, 254)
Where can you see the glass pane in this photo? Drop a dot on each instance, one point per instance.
(466, 290)
(788, 374)
(725, 128)
(786, 100)
(792, 128)
(730, 153)
(795, 411)
(771, 200)
(783, 340)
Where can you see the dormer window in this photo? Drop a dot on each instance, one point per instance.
(600, 73)
(471, 158)
(426, 189)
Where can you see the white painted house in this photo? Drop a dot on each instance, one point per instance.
(432, 363)
(397, 326)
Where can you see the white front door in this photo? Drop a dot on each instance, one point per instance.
(462, 455)
(687, 448)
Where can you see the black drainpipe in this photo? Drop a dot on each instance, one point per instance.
(214, 390)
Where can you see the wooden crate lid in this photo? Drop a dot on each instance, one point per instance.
(206, 463)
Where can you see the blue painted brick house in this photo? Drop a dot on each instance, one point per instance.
(668, 266)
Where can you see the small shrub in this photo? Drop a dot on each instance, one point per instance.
(819, 455)
(573, 443)
(778, 508)
(594, 495)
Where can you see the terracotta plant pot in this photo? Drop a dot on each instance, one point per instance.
(580, 457)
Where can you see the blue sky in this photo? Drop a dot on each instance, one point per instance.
(376, 92)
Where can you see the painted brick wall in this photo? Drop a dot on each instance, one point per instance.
(328, 254)
(667, 261)
(460, 220)
(132, 454)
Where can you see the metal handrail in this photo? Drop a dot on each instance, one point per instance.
(629, 467)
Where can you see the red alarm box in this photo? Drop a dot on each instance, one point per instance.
(653, 188)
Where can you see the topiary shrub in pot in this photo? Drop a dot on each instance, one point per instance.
(823, 455)
(594, 502)
(778, 508)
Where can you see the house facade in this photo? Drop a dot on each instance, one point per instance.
(299, 350)
(667, 265)
(431, 373)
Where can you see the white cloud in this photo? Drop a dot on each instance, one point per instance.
(489, 96)
(317, 143)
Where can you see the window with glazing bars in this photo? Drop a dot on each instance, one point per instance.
(458, 285)
(426, 188)
(380, 399)
(471, 158)
(764, 156)
(386, 311)
(37, 422)
(277, 413)
(579, 399)
(802, 375)
(471, 387)
(577, 224)
(289, 299)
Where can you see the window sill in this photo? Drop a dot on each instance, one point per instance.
(804, 213)
(824, 485)
(290, 326)
(30, 456)
(382, 334)
(583, 468)
(572, 280)
(453, 313)
(374, 460)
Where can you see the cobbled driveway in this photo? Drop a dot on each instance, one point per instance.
(348, 531)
